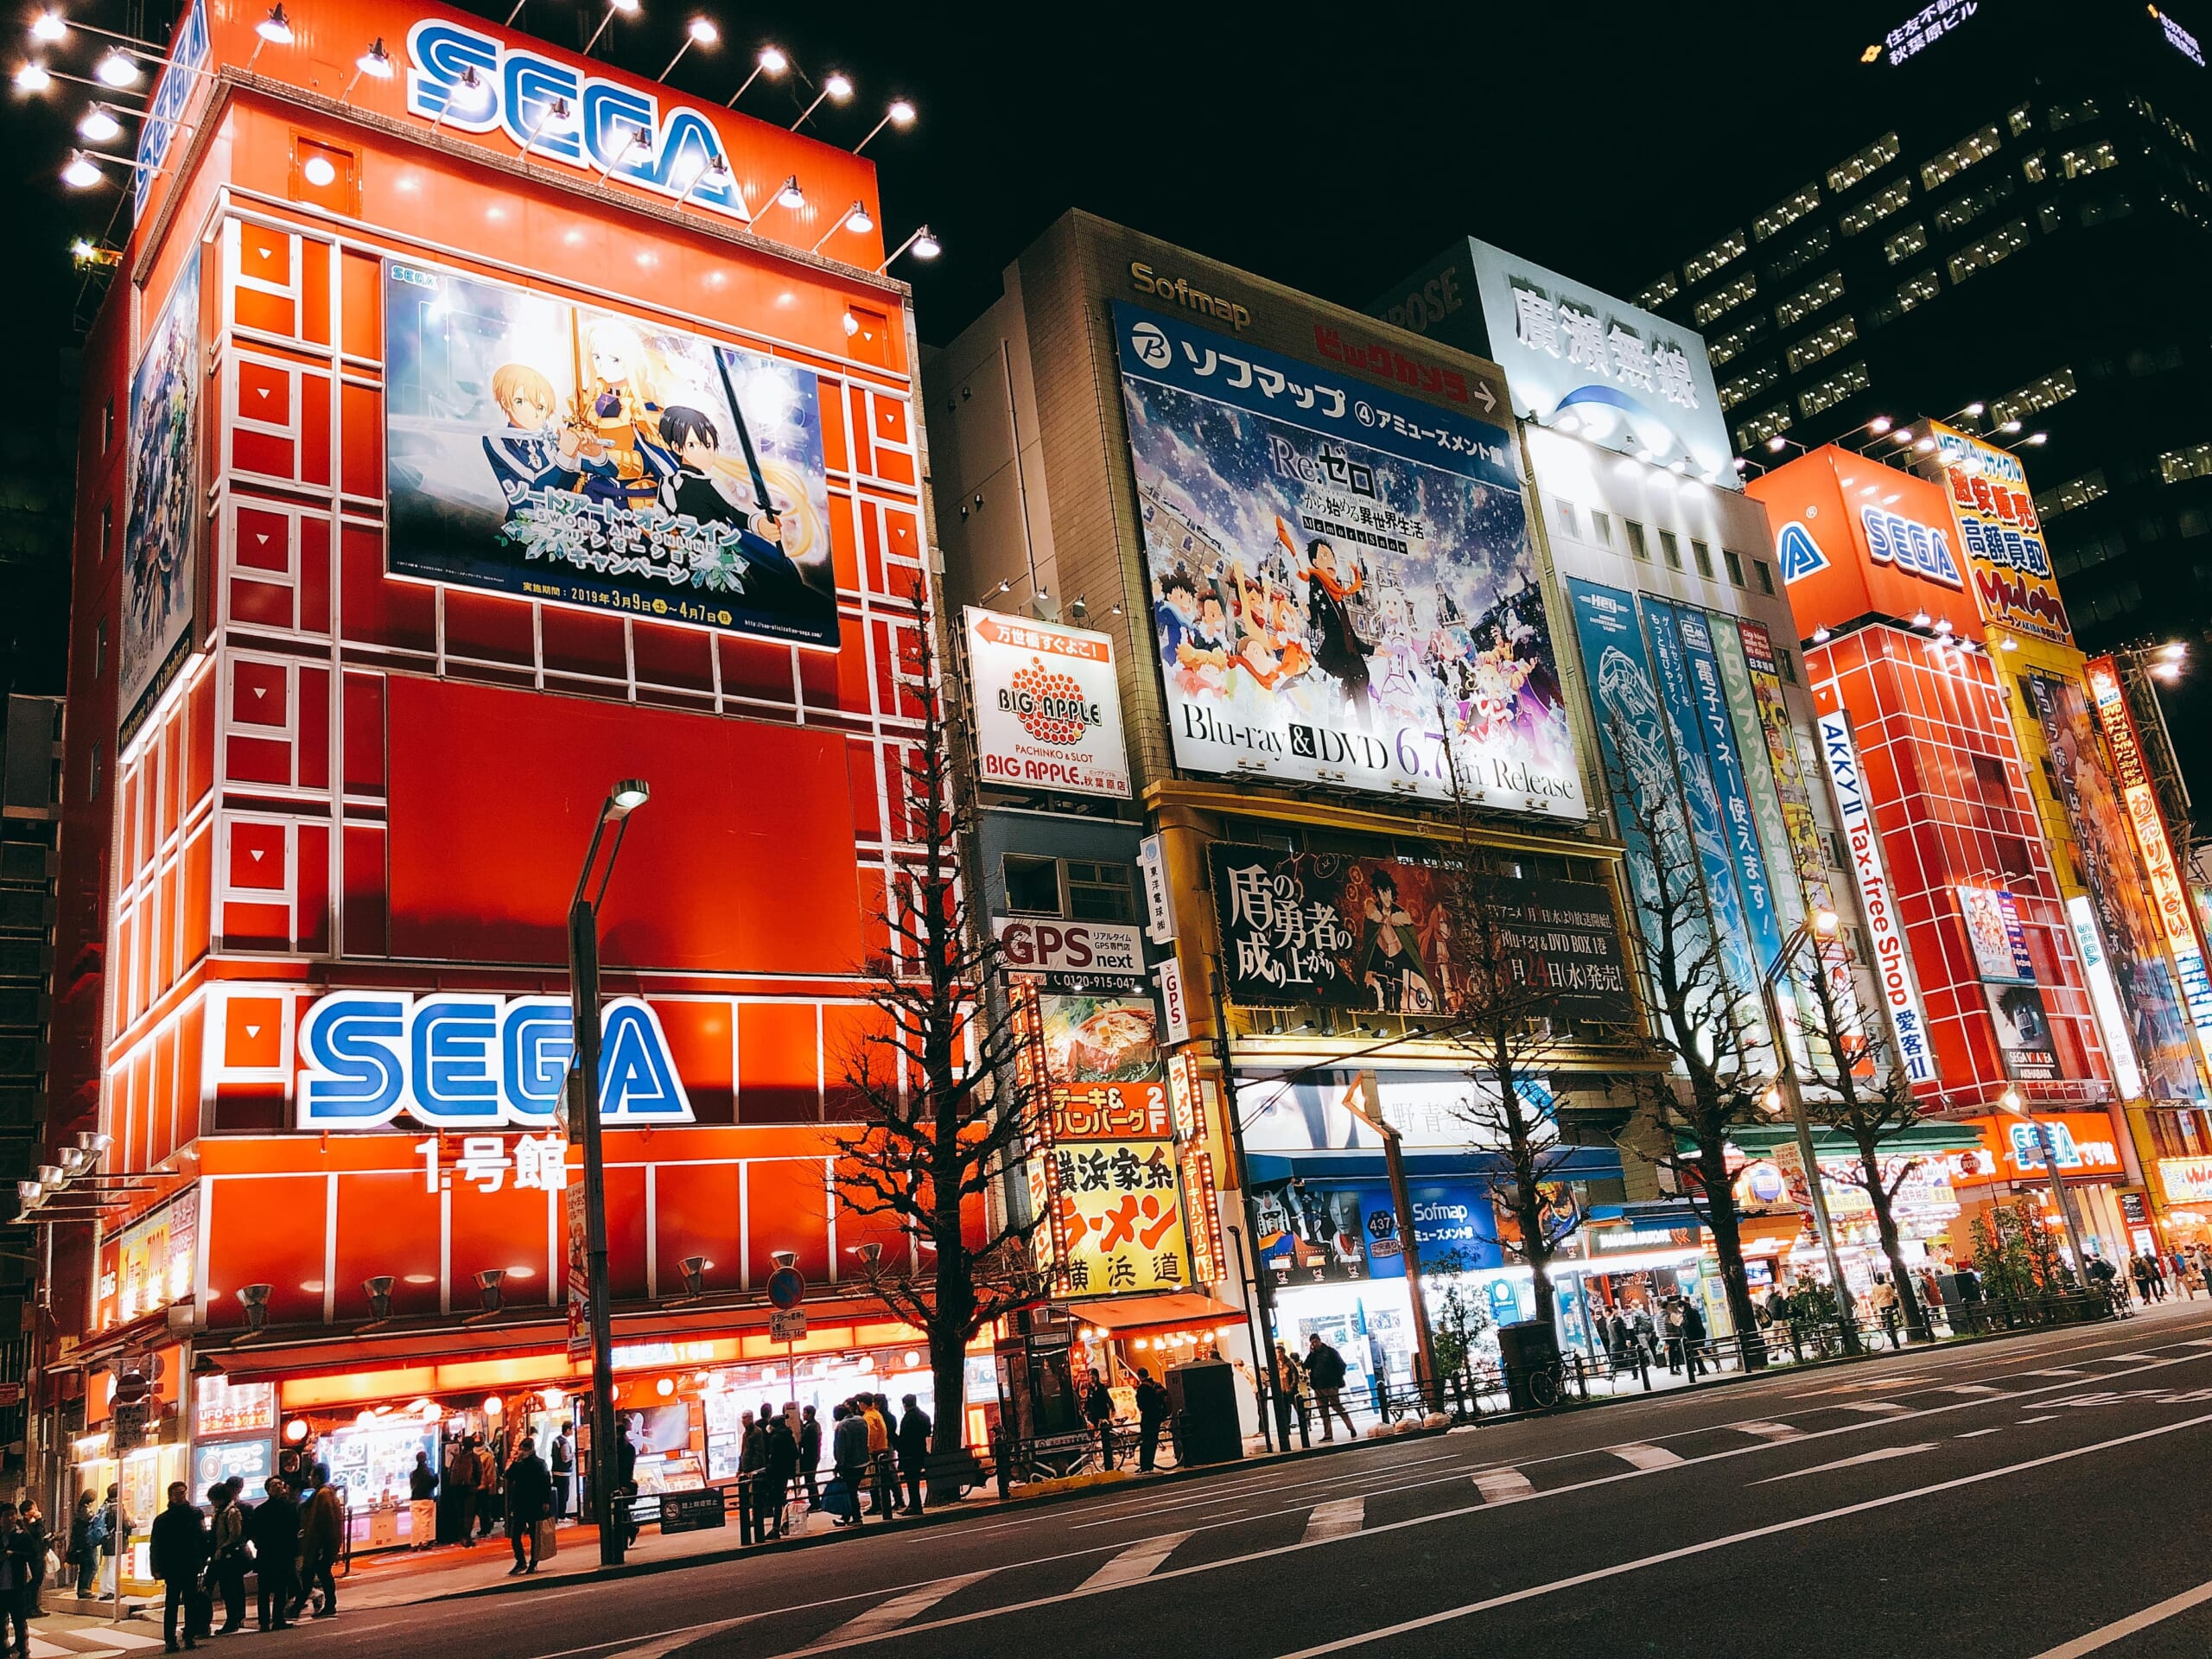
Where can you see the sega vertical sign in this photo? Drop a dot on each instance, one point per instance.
(1885, 931)
(466, 1060)
(187, 60)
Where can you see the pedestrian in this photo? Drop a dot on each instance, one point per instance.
(1883, 1298)
(462, 1476)
(1290, 1397)
(782, 1470)
(752, 1458)
(15, 1619)
(1152, 1411)
(84, 1542)
(115, 1533)
(226, 1556)
(2157, 1266)
(529, 1489)
(322, 1526)
(491, 1507)
(1694, 1339)
(1324, 1369)
(422, 1502)
(1098, 1412)
(274, 1530)
(875, 1411)
(2139, 1270)
(849, 1461)
(31, 1522)
(626, 1477)
(177, 1550)
(809, 1455)
(913, 1451)
(562, 1467)
(1673, 1317)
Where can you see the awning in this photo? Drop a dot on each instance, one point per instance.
(1569, 1164)
(1916, 1139)
(1125, 1315)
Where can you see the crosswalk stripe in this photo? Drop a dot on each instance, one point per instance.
(42, 1648)
(1334, 1519)
(1504, 1485)
(2057, 1370)
(1646, 1456)
(1972, 1388)
(1139, 1561)
(1769, 1431)
(117, 1637)
(2136, 1358)
(1879, 1407)
(890, 1615)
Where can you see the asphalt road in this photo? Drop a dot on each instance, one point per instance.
(2043, 1497)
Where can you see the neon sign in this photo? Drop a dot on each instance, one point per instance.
(467, 1060)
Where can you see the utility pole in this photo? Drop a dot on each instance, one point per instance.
(1260, 1301)
(1364, 1101)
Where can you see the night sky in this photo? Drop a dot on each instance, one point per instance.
(1330, 148)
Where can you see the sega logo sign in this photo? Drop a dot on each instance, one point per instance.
(1029, 945)
(1892, 538)
(467, 1060)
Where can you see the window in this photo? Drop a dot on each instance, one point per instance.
(2094, 158)
(1802, 255)
(1697, 270)
(1757, 428)
(1749, 384)
(2074, 493)
(1102, 893)
(1785, 212)
(1566, 511)
(99, 649)
(1702, 556)
(1671, 549)
(107, 530)
(107, 426)
(2115, 206)
(1636, 540)
(92, 776)
(1724, 300)
(1765, 575)
(2020, 120)
(2196, 461)
(2033, 169)
(1906, 243)
(1878, 207)
(1833, 391)
(1033, 884)
(1828, 290)
(2062, 116)
(1957, 214)
(1864, 165)
(1732, 344)
(1734, 561)
(1821, 343)
(1980, 256)
(2034, 398)
(1964, 154)
(1782, 659)
(1601, 528)
(1660, 292)
(1919, 290)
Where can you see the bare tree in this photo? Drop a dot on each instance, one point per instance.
(941, 1123)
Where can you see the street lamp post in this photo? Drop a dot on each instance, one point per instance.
(1823, 924)
(2010, 1101)
(584, 985)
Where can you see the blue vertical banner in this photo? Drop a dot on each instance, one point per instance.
(1725, 761)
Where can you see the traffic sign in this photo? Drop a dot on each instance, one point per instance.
(787, 1327)
(787, 1288)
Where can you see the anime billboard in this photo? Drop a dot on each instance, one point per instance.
(1341, 577)
(160, 536)
(556, 452)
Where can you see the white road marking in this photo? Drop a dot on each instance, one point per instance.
(1768, 1431)
(2055, 1371)
(2049, 1416)
(1334, 1520)
(1504, 1486)
(1879, 1407)
(1640, 1456)
(2105, 1635)
(1976, 1434)
(1862, 1387)
(900, 1610)
(1880, 1454)
(1137, 1561)
(1972, 1388)
(2131, 1358)
(1685, 1552)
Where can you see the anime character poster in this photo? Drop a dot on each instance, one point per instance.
(1342, 588)
(160, 536)
(558, 452)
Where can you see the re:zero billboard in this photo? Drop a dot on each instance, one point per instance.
(555, 451)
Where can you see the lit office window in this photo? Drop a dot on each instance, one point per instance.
(1867, 162)
(1973, 148)
(1785, 212)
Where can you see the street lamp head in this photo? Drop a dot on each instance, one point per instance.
(773, 60)
(839, 87)
(925, 245)
(627, 797)
(902, 113)
(2010, 1100)
(1971, 409)
(704, 32)
(1825, 924)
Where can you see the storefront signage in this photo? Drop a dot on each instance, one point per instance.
(2169, 894)
(250, 1461)
(1885, 928)
(2004, 540)
(1110, 1111)
(1892, 538)
(552, 109)
(1339, 932)
(1047, 706)
(1116, 1218)
(220, 1406)
(1068, 949)
(154, 1260)
(1344, 1229)
(1341, 579)
(700, 1511)
(2104, 997)
(2011, 1150)
(467, 1060)
(787, 1325)
(1174, 1007)
(1158, 897)
(162, 531)
(640, 1356)
(2187, 1180)
(1179, 291)
(180, 80)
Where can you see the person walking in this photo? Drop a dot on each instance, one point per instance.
(752, 1458)
(782, 1472)
(1882, 1297)
(562, 1467)
(1152, 1411)
(323, 1528)
(875, 1412)
(273, 1529)
(178, 1549)
(914, 1427)
(463, 1474)
(1324, 1369)
(84, 1543)
(15, 1619)
(1098, 1412)
(529, 1489)
(491, 1504)
(2139, 1270)
(848, 1457)
(809, 1456)
(1672, 1317)
(1290, 1397)
(2158, 1264)
(1694, 1339)
(226, 1556)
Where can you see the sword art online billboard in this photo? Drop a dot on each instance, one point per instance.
(554, 451)
(1341, 579)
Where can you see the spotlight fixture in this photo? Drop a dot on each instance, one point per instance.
(836, 86)
(769, 60)
(694, 1275)
(82, 173)
(1920, 619)
(255, 1299)
(118, 68)
(790, 195)
(380, 1294)
(33, 78)
(488, 1281)
(900, 114)
(48, 26)
(98, 125)
(276, 28)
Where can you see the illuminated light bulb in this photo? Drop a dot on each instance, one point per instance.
(902, 113)
(276, 28)
(927, 246)
(117, 69)
(839, 87)
(82, 173)
(376, 62)
(858, 222)
(319, 171)
(704, 32)
(1879, 424)
(773, 60)
(48, 26)
(33, 78)
(99, 126)
(790, 195)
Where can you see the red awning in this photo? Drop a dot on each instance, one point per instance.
(1124, 1315)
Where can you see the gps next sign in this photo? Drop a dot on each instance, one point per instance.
(1048, 708)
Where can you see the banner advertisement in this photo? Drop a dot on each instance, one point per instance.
(1344, 1229)
(2011, 1150)
(2104, 997)
(1761, 790)
(2022, 1027)
(1886, 949)
(1118, 1218)
(2133, 949)
(1068, 952)
(2169, 893)
(2187, 1180)
(1112, 1038)
(1047, 706)
(1340, 577)
(558, 452)
(1339, 932)
(1729, 783)
(2006, 551)
(2001, 944)
(161, 534)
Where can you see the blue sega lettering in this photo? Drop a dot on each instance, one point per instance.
(681, 154)
(1892, 538)
(465, 1060)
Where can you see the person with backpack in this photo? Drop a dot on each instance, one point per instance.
(1098, 1412)
(1324, 1369)
(1152, 1411)
(322, 1526)
(849, 1461)
(226, 1556)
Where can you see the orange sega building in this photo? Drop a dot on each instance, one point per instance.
(408, 520)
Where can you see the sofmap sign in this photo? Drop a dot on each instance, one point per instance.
(551, 109)
(465, 1060)
(1048, 708)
